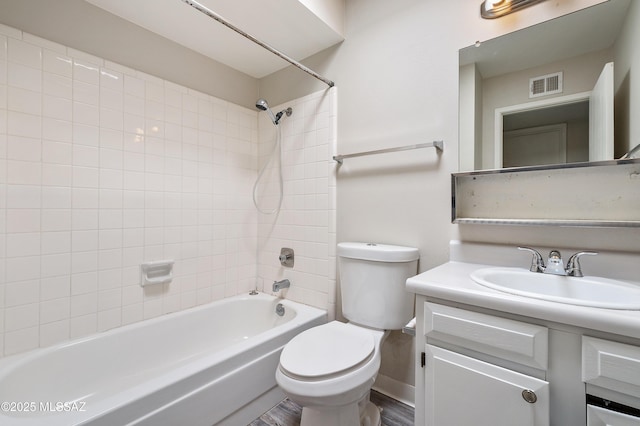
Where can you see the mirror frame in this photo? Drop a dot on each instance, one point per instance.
(466, 185)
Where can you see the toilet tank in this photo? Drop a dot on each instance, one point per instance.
(372, 283)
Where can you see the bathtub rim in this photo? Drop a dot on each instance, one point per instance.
(32, 353)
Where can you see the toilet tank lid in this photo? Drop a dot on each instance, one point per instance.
(378, 252)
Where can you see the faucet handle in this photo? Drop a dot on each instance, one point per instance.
(573, 264)
(286, 257)
(537, 264)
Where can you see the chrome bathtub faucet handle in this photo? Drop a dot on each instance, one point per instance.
(286, 257)
(573, 268)
(537, 264)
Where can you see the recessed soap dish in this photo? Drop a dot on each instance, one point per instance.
(156, 272)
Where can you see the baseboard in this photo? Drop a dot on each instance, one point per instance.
(395, 389)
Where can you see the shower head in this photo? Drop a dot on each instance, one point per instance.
(261, 104)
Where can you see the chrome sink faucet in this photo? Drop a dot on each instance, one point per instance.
(279, 285)
(554, 263)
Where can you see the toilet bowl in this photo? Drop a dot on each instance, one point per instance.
(329, 369)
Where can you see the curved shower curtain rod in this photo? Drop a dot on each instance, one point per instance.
(215, 16)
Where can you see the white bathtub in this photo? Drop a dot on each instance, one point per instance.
(207, 365)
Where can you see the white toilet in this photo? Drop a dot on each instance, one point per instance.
(329, 369)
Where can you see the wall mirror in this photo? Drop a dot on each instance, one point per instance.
(531, 117)
(546, 94)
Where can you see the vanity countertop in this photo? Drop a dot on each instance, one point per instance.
(451, 282)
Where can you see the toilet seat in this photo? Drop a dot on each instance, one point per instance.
(327, 351)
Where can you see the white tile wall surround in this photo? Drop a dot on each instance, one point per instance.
(103, 167)
(306, 221)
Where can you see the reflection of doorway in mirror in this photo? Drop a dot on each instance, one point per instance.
(572, 111)
(589, 116)
(535, 146)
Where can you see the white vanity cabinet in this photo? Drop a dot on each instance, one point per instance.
(464, 381)
(482, 354)
(483, 367)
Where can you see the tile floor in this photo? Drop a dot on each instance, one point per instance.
(287, 413)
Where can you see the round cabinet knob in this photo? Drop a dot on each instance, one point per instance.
(529, 396)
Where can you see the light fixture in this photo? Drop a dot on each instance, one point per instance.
(490, 9)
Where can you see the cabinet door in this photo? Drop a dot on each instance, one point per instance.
(464, 391)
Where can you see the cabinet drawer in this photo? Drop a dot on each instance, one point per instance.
(507, 339)
(598, 416)
(611, 365)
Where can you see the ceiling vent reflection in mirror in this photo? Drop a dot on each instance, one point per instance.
(545, 85)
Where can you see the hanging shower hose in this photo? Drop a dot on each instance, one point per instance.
(278, 146)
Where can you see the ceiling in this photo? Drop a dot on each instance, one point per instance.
(286, 25)
(587, 30)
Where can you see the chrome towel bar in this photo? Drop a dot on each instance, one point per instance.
(439, 145)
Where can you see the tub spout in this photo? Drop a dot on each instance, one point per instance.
(279, 285)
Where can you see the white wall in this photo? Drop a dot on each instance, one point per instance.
(470, 117)
(330, 11)
(627, 74)
(397, 75)
(397, 72)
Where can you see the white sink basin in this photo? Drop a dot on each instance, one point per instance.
(584, 291)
